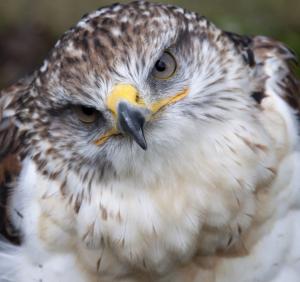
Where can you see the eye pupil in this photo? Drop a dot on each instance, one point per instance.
(87, 111)
(165, 67)
(160, 66)
(86, 114)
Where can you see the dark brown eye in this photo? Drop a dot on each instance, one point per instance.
(86, 114)
(165, 67)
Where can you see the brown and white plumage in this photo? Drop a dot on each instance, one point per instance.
(154, 147)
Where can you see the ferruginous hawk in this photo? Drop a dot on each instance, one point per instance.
(153, 146)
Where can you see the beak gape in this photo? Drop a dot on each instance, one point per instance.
(131, 120)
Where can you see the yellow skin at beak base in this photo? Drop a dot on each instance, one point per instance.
(155, 107)
(127, 92)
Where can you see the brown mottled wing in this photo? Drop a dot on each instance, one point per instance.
(275, 62)
(272, 64)
(11, 100)
(8, 128)
(10, 142)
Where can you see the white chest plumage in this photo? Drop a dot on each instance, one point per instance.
(202, 212)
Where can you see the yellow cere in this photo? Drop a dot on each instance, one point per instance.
(125, 92)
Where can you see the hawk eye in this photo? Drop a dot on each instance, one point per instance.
(86, 114)
(165, 67)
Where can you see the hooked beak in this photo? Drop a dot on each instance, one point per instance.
(131, 121)
(131, 113)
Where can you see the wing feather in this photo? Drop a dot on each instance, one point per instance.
(10, 100)
(272, 63)
(276, 61)
(11, 133)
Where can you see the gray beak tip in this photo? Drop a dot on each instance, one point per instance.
(142, 141)
(131, 121)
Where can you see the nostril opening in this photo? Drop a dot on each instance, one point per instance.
(137, 99)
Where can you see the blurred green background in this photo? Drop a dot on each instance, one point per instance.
(29, 28)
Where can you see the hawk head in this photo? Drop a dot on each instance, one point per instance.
(133, 88)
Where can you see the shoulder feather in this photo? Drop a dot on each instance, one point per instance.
(11, 134)
(275, 61)
(272, 63)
